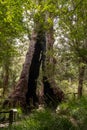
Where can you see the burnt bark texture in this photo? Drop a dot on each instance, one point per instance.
(17, 97)
(31, 96)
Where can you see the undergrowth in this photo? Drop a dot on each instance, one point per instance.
(43, 120)
(59, 120)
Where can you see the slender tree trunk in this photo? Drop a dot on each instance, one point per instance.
(81, 79)
(5, 80)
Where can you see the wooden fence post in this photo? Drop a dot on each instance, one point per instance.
(11, 114)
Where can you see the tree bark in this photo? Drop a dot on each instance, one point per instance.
(25, 92)
(5, 80)
(31, 96)
(52, 93)
(17, 97)
(81, 80)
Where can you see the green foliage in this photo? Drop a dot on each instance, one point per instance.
(19, 17)
(71, 50)
(48, 120)
(76, 109)
(44, 120)
(74, 21)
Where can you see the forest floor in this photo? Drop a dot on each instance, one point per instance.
(71, 115)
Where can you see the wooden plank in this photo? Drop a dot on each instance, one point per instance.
(12, 115)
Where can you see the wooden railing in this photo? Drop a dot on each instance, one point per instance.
(12, 115)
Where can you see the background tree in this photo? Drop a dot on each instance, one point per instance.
(10, 27)
(72, 22)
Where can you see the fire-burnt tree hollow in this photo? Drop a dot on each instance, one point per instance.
(34, 69)
(41, 44)
(25, 92)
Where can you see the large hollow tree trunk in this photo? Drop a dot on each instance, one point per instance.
(25, 92)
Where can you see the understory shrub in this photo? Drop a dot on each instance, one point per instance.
(43, 120)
